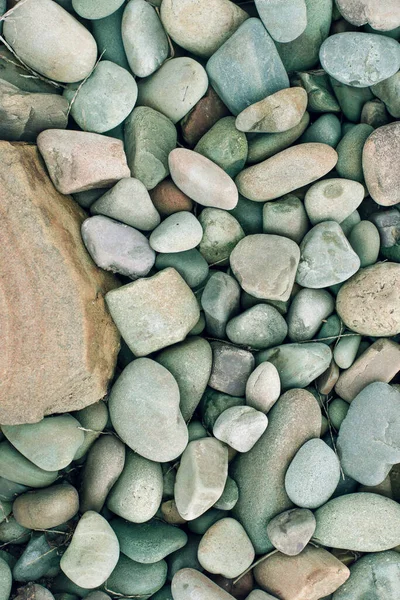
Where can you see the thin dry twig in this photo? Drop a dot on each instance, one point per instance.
(260, 560)
(11, 10)
(78, 89)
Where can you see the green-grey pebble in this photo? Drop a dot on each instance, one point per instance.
(330, 329)
(107, 33)
(265, 145)
(287, 217)
(247, 301)
(10, 559)
(37, 559)
(261, 326)
(221, 233)
(14, 466)
(348, 225)
(86, 199)
(225, 146)
(5, 580)
(389, 92)
(337, 411)
(186, 558)
(95, 9)
(319, 91)
(169, 476)
(220, 301)
(214, 403)
(326, 130)
(149, 138)
(196, 431)
(229, 496)
(61, 584)
(306, 313)
(190, 264)
(346, 349)
(14, 533)
(10, 490)
(163, 594)
(249, 214)
(131, 578)
(365, 241)
(351, 99)
(149, 542)
(374, 113)
(94, 419)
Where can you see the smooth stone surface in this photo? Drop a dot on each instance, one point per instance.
(168, 198)
(312, 475)
(144, 38)
(333, 200)
(43, 509)
(286, 217)
(326, 130)
(284, 21)
(220, 300)
(374, 113)
(92, 553)
(144, 410)
(137, 494)
(368, 302)
(93, 419)
(369, 437)
(265, 265)
(201, 477)
(345, 351)
(116, 247)
(347, 226)
(46, 37)
(78, 160)
(201, 29)
(260, 473)
(350, 149)
(104, 100)
(202, 180)
(247, 67)
(231, 368)
(362, 522)
(389, 92)
(359, 59)
(213, 404)
(37, 559)
(351, 99)
(95, 9)
(274, 114)
(177, 233)
(265, 145)
(291, 531)
(149, 542)
(229, 496)
(175, 88)
(226, 549)
(249, 215)
(263, 387)
(384, 17)
(365, 241)
(286, 171)
(189, 584)
(131, 578)
(298, 364)
(308, 310)
(129, 202)
(190, 364)
(326, 257)
(206, 112)
(380, 155)
(149, 138)
(320, 94)
(225, 146)
(240, 427)
(185, 557)
(18, 469)
(107, 33)
(261, 326)
(337, 411)
(155, 312)
(50, 444)
(221, 233)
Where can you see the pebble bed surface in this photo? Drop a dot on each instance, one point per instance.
(217, 185)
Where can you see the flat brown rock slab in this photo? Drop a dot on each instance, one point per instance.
(58, 342)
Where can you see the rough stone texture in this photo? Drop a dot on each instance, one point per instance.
(44, 509)
(309, 576)
(56, 295)
(155, 312)
(78, 161)
(291, 531)
(190, 584)
(382, 17)
(369, 302)
(276, 113)
(380, 362)
(230, 369)
(379, 161)
(260, 473)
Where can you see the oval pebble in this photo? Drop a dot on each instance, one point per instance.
(276, 113)
(221, 233)
(307, 312)
(18, 469)
(177, 233)
(96, 9)
(240, 427)
(263, 387)
(365, 241)
(5, 580)
(382, 17)
(379, 162)
(43, 509)
(333, 200)
(284, 21)
(190, 584)
(260, 326)
(291, 531)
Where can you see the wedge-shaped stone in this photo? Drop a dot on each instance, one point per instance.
(284, 21)
(276, 113)
(188, 584)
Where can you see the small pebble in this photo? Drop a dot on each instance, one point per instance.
(263, 387)
(240, 427)
(276, 113)
(291, 531)
(177, 233)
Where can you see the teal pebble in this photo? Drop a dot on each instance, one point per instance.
(131, 578)
(330, 329)
(365, 241)
(185, 558)
(349, 149)
(214, 403)
(204, 522)
(190, 264)
(249, 214)
(37, 559)
(225, 146)
(5, 580)
(351, 99)
(337, 411)
(107, 33)
(326, 130)
(229, 496)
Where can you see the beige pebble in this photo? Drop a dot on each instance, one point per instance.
(274, 114)
(381, 164)
(42, 509)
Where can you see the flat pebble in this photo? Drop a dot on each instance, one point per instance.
(276, 113)
(307, 312)
(265, 145)
(380, 155)
(225, 145)
(384, 17)
(95, 9)
(18, 469)
(221, 232)
(263, 387)
(260, 326)
(291, 531)
(284, 21)
(231, 368)
(240, 427)
(220, 300)
(286, 217)
(333, 200)
(177, 233)
(44, 509)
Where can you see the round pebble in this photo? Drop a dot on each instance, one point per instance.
(177, 233)
(291, 531)
(333, 200)
(263, 387)
(240, 427)
(380, 153)
(261, 326)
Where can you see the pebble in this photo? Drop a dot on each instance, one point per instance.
(263, 387)
(380, 154)
(284, 21)
(320, 94)
(313, 475)
(291, 531)
(107, 33)
(196, 431)
(274, 114)
(18, 469)
(220, 300)
(286, 171)
(137, 421)
(333, 200)
(201, 477)
(240, 427)
(37, 559)
(368, 304)
(325, 130)
(249, 215)
(177, 233)
(388, 91)
(66, 153)
(95, 9)
(265, 265)
(168, 199)
(376, 573)
(5, 580)
(104, 100)
(308, 576)
(308, 310)
(206, 112)
(201, 31)
(174, 88)
(225, 145)
(93, 419)
(350, 149)
(226, 549)
(190, 364)
(185, 557)
(139, 307)
(362, 12)
(44, 509)
(351, 99)
(50, 444)
(131, 578)
(327, 380)
(388, 224)
(202, 180)
(230, 369)
(116, 247)
(345, 351)
(46, 37)
(374, 113)
(362, 522)
(368, 438)
(92, 553)
(286, 217)
(145, 41)
(137, 494)
(38, 592)
(347, 226)
(189, 584)
(337, 411)
(260, 595)
(298, 364)
(247, 67)
(229, 496)
(365, 241)
(260, 473)
(261, 326)
(326, 257)
(265, 145)
(149, 138)
(213, 403)
(221, 233)
(170, 513)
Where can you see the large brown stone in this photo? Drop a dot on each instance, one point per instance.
(58, 342)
